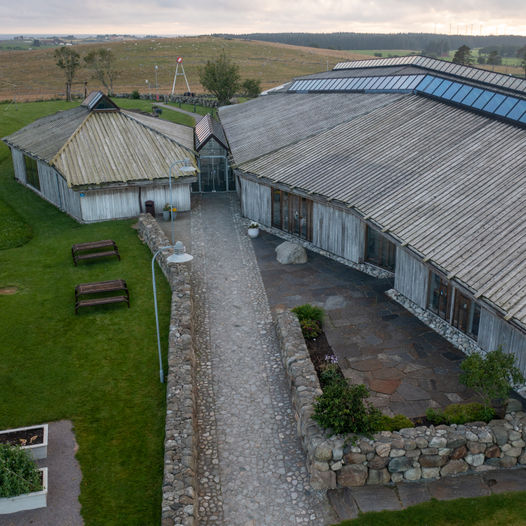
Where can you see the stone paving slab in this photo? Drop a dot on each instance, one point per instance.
(348, 502)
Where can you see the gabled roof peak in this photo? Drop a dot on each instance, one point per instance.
(97, 101)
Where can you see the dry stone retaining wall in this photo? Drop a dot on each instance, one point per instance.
(179, 503)
(388, 457)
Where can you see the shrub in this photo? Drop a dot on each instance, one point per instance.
(309, 312)
(135, 94)
(310, 328)
(461, 414)
(330, 373)
(491, 376)
(394, 423)
(342, 409)
(18, 472)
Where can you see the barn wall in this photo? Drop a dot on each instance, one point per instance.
(338, 232)
(55, 189)
(411, 277)
(495, 331)
(101, 205)
(18, 165)
(255, 201)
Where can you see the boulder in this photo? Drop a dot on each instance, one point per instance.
(378, 476)
(289, 253)
(352, 475)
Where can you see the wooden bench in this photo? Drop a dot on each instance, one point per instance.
(94, 249)
(101, 287)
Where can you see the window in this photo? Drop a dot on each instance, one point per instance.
(32, 172)
(439, 296)
(379, 250)
(292, 213)
(453, 306)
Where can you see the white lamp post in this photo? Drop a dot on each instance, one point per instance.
(179, 256)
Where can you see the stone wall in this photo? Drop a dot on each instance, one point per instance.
(179, 503)
(409, 454)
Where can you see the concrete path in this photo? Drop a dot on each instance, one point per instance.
(196, 116)
(64, 476)
(251, 468)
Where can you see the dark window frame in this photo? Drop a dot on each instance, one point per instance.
(294, 218)
(31, 168)
(385, 253)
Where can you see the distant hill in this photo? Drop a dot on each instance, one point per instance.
(355, 41)
(33, 74)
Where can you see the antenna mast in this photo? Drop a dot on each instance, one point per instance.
(180, 63)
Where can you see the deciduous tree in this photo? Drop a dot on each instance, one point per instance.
(102, 62)
(251, 88)
(68, 60)
(221, 78)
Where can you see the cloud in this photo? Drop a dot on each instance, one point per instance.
(240, 16)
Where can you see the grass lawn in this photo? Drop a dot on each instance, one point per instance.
(506, 509)
(146, 105)
(98, 368)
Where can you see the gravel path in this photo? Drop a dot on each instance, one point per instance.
(251, 467)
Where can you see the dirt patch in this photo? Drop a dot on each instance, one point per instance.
(26, 437)
(7, 291)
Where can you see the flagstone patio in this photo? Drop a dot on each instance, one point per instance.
(405, 364)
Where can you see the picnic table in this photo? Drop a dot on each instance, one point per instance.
(99, 293)
(94, 249)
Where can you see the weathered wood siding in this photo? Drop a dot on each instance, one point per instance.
(19, 165)
(338, 232)
(411, 277)
(101, 205)
(495, 331)
(255, 201)
(55, 189)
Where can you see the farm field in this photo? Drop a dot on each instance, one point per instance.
(98, 368)
(33, 75)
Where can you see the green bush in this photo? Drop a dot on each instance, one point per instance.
(135, 94)
(309, 312)
(492, 375)
(310, 328)
(461, 414)
(342, 409)
(394, 423)
(18, 472)
(330, 373)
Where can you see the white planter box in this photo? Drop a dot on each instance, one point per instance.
(37, 451)
(27, 501)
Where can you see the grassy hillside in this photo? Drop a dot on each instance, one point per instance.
(33, 74)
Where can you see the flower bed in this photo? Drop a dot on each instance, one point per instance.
(32, 438)
(409, 454)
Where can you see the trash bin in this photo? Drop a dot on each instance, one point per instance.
(150, 208)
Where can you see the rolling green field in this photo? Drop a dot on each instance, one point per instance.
(98, 368)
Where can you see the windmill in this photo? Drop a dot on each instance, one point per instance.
(180, 63)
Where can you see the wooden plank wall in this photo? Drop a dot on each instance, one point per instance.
(55, 189)
(495, 331)
(19, 165)
(338, 232)
(411, 277)
(101, 205)
(255, 201)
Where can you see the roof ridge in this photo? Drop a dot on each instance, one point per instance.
(71, 137)
(127, 115)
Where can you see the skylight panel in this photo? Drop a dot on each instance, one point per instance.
(384, 82)
(452, 90)
(368, 83)
(484, 98)
(494, 102)
(442, 88)
(517, 111)
(461, 93)
(472, 96)
(425, 82)
(430, 88)
(360, 83)
(376, 83)
(506, 106)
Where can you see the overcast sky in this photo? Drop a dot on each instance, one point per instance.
(193, 17)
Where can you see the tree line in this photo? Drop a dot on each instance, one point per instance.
(415, 41)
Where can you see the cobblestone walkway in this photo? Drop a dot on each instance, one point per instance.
(251, 467)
